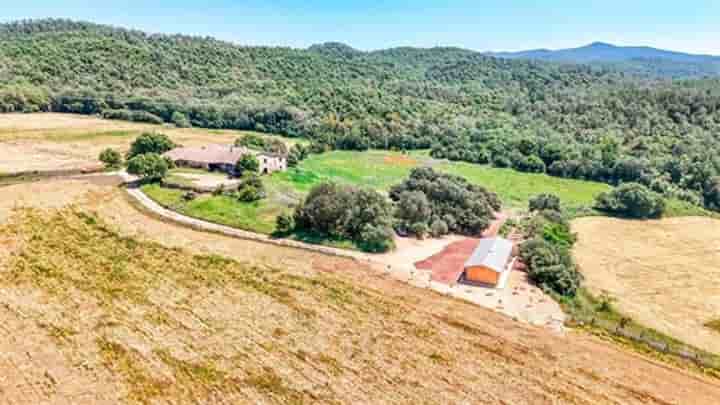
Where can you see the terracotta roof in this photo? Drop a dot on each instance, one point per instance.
(492, 253)
(210, 154)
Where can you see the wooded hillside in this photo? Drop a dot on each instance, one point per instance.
(569, 120)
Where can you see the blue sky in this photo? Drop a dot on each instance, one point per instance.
(689, 25)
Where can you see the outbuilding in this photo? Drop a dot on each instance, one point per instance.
(489, 261)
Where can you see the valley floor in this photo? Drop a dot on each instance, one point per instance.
(102, 304)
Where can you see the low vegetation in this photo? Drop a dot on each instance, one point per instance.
(632, 200)
(547, 252)
(111, 158)
(714, 325)
(378, 170)
(247, 163)
(429, 201)
(346, 212)
(150, 142)
(150, 167)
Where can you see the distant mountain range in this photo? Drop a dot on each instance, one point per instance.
(633, 59)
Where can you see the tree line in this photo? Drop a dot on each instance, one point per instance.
(565, 120)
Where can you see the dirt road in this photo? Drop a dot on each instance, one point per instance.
(386, 342)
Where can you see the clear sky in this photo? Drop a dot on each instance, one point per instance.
(686, 25)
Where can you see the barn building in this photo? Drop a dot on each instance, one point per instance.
(223, 158)
(489, 262)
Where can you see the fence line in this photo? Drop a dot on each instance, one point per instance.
(621, 329)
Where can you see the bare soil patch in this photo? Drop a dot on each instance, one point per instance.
(664, 273)
(118, 308)
(401, 160)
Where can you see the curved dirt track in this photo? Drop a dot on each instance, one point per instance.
(426, 348)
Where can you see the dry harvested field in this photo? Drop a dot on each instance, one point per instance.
(50, 141)
(665, 274)
(101, 304)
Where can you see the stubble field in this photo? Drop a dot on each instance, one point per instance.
(663, 273)
(102, 304)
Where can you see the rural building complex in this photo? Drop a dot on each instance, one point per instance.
(224, 157)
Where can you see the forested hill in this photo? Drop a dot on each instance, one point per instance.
(569, 120)
(637, 60)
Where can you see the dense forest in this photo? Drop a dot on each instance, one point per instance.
(576, 121)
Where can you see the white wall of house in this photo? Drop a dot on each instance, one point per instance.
(269, 164)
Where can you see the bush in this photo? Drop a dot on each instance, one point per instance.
(284, 224)
(276, 146)
(344, 212)
(251, 188)
(501, 161)
(438, 228)
(189, 196)
(632, 200)
(251, 141)
(559, 234)
(150, 143)
(180, 120)
(128, 115)
(465, 207)
(419, 229)
(149, 166)
(711, 194)
(111, 158)
(377, 239)
(297, 154)
(551, 267)
(248, 163)
(544, 202)
(412, 207)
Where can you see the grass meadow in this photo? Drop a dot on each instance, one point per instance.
(378, 170)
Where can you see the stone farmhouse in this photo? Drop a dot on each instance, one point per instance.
(223, 158)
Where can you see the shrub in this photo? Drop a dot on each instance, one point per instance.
(632, 200)
(341, 211)
(551, 267)
(377, 239)
(180, 120)
(189, 196)
(426, 194)
(711, 194)
(558, 234)
(150, 143)
(296, 154)
(284, 224)
(438, 228)
(149, 166)
(128, 115)
(544, 202)
(247, 163)
(251, 141)
(501, 161)
(251, 188)
(412, 207)
(275, 146)
(419, 229)
(111, 158)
